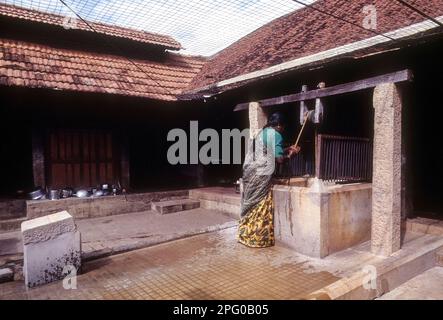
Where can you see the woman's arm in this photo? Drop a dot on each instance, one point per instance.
(291, 151)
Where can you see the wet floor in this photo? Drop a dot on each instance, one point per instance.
(209, 266)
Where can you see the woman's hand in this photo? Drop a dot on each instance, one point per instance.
(293, 150)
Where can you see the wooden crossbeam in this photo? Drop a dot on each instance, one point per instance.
(395, 77)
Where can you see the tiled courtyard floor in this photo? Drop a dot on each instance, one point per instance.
(209, 266)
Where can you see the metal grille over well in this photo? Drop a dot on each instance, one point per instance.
(344, 159)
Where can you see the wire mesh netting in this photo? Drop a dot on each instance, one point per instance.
(323, 29)
(202, 26)
(207, 26)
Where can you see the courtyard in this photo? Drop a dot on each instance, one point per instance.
(204, 267)
(129, 161)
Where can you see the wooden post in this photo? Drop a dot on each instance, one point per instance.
(317, 119)
(38, 159)
(124, 161)
(303, 107)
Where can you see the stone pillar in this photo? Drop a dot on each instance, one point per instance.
(387, 175)
(257, 118)
(51, 248)
(38, 159)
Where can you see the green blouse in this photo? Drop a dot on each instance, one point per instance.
(278, 141)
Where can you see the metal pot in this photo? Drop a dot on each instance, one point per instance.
(54, 194)
(239, 186)
(98, 193)
(37, 194)
(66, 193)
(82, 193)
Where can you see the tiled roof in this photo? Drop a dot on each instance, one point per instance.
(306, 32)
(39, 66)
(114, 31)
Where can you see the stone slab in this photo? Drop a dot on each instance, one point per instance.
(47, 227)
(51, 260)
(51, 248)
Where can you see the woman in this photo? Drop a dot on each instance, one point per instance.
(256, 227)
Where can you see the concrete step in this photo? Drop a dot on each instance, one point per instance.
(165, 207)
(11, 224)
(440, 258)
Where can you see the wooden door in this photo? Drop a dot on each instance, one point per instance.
(81, 158)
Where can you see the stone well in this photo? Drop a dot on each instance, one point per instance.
(318, 220)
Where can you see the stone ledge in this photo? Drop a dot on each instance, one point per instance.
(11, 224)
(425, 225)
(415, 258)
(440, 258)
(82, 208)
(12, 208)
(224, 195)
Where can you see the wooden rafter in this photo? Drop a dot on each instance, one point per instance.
(395, 77)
